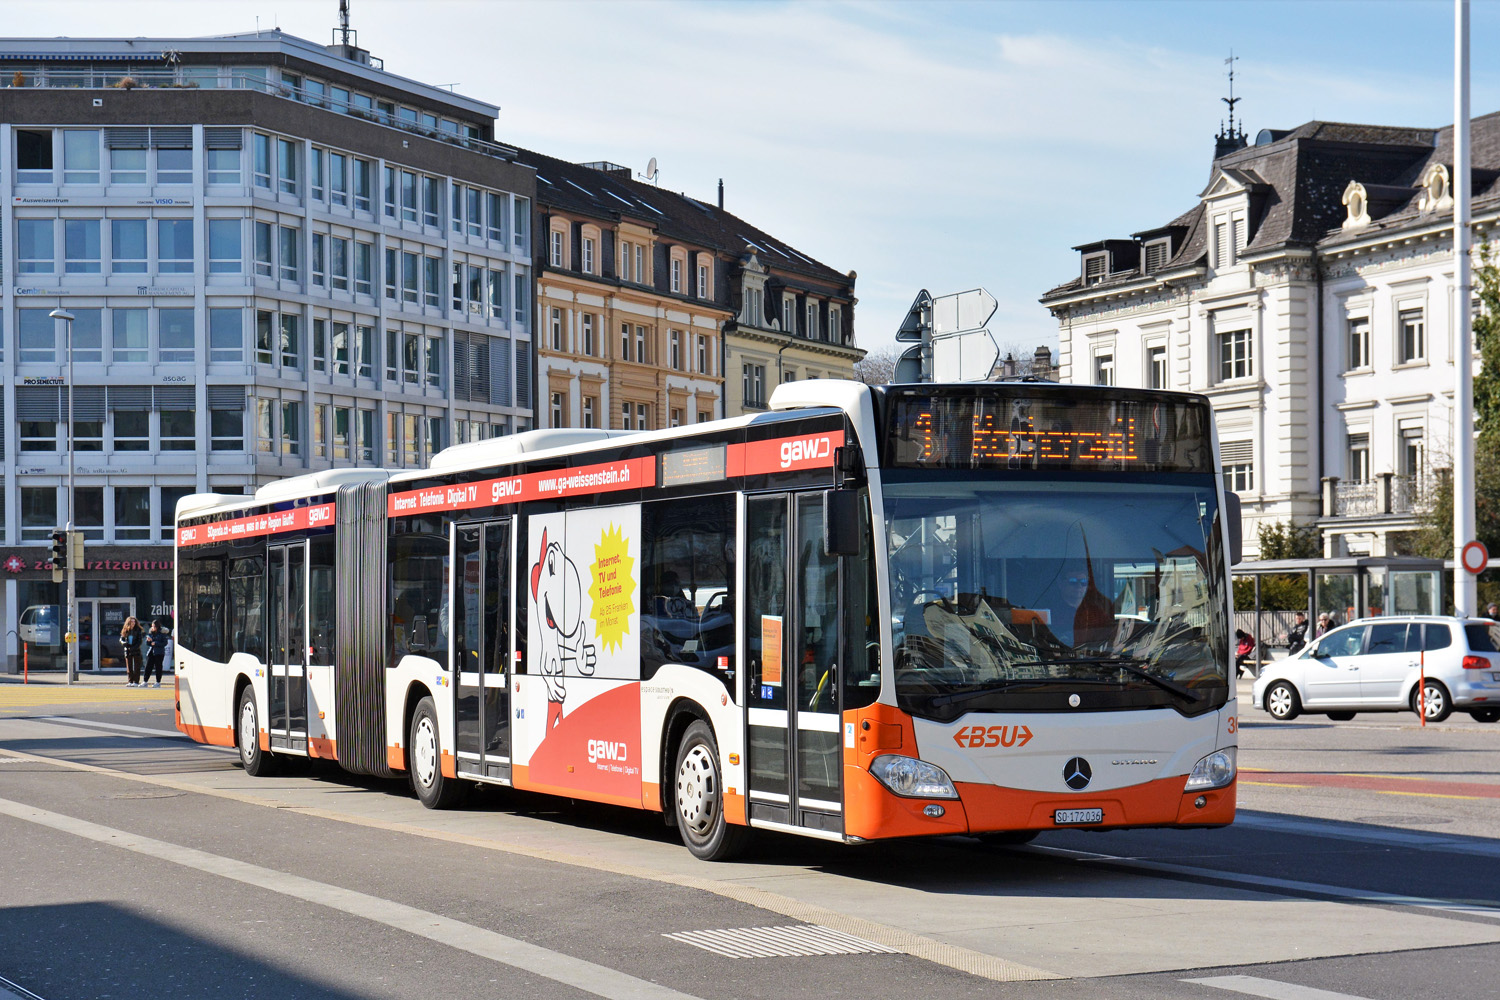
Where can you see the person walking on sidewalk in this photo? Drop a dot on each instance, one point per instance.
(157, 639)
(131, 634)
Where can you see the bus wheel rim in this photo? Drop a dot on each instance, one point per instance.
(248, 741)
(695, 791)
(424, 751)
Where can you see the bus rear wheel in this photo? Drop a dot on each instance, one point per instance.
(424, 761)
(258, 763)
(698, 799)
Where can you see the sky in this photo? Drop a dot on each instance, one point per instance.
(936, 145)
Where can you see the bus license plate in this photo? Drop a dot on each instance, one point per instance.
(1063, 817)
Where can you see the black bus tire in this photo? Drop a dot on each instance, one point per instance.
(424, 760)
(257, 763)
(698, 799)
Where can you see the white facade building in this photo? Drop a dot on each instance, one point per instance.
(1309, 294)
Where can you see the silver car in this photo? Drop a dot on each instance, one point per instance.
(1378, 665)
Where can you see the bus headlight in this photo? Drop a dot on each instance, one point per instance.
(912, 778)
(1214, 771)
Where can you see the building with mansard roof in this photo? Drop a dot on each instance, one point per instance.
(655, 309)
(1309, 293)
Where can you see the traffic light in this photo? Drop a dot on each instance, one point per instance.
(59, 555)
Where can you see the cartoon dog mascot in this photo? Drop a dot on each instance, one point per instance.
(557, 596)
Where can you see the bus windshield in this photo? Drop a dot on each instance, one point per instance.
(1020, 595)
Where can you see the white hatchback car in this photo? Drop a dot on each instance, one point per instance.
(1374, 664)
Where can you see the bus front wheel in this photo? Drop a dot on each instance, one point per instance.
(258, 763)
(424, 762)
(699, 799)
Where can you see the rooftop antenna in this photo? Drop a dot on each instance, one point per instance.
(343, 34)
(1231, 100)
(651, 172)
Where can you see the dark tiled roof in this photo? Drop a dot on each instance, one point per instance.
(572, 187)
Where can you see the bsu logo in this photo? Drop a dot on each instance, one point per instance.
(975, 737)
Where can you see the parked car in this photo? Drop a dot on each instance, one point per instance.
(1375, 664)
(41, 625)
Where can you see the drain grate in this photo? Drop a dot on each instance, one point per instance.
(780, 942)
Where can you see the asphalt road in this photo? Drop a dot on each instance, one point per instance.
(137, 864)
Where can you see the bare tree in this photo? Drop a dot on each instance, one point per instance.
(877, 367)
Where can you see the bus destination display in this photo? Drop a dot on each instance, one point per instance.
(695, 465)
(994, 430)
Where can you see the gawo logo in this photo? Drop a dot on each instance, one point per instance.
(606, 750)
(1076, 773)
(805, 450)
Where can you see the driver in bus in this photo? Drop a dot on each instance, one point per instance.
(1087, 617)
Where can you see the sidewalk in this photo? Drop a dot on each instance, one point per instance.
(51, 689)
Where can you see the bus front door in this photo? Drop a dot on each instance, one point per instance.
(482, 576)
(286, 569)
(792, 684)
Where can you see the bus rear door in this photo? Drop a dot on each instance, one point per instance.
(792, 684)
(286, 569)
(483, 571)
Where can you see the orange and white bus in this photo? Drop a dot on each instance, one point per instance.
(869, 612)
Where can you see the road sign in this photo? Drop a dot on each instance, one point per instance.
(918, 318)
(962, 312)
(1474, 557)
(909, 365)
(964, 357)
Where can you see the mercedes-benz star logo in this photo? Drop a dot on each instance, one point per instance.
(1076, 773)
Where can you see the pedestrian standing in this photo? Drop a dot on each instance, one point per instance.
(157, 639)
(1324, 624)
(1492, 611)
(1296, 636)
(131, 634)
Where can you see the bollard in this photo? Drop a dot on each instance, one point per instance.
(25, 663)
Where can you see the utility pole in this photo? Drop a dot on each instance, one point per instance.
(1465, 589)
(71, 636)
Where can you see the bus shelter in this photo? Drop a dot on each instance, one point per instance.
(1268, 593)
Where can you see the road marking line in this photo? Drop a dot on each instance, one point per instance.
(1444, 906)
(1270, 988)
(975, 963)
(554, 965)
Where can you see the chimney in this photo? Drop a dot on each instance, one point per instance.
(1041, 362)
(721, 192)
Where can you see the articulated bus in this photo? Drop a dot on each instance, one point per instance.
(869, 612)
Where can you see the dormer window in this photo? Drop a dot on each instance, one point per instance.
(1158, 252)
(1358, 203)
(1095, 268)
(1437, 195)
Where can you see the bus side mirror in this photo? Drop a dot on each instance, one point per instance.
(841, 522)
(1236, 528)
(418, 642)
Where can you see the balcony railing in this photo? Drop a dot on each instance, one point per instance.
(1387, 493)
(126, 77)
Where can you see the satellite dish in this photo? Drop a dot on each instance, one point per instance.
(650, 174)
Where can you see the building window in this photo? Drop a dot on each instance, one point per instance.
(364, 265)
(319, 345)
(408, 196)
(320, 430)
(286, 166)
(556, 329)
(364, 181)
(178, 430)
(588, 255)
(640, 266)
(435, 346)
(703, 354)
(411, 278)
(1157, 253)
(35, 253)
(291, 428)
(674, 349)
(132, 341)
(128, 166)
(132, 430)
(88, 335)
(38, 512)
(260, 161)
(317, 161)
(702, 281)
(226, 335)
(557, 249)
(754, 386)
(224, 165)
(81, 156)
(557, 410)
(81, 251)
(290, 255)
(1104, 369)
(495, 230)
(33, 156)
(1359, 458)
(127, 246)
(640, 344)
(291, 340)
(1222, 251)
(835, 325)
(676, 275)
(1413, 328)
(175, 337)
(365, 358)
(432, 201)
(587, 325)
(811, 329)
(1238, 460)
(624, 341)
(265, 262)
(1156, 362)
(474, 212)
(225, 255)
(1413, 457)
(1359, 343)
(338, 179)
(1095, 268)
(318, 265)
(641, 421)
(341, 348)
(174, 246)
(432, 281)
(338, 263)
(343, 434)
(590, 404)
(1235, 359)
(367, 439)
(789, 314)
(36, 336)
(704, 416)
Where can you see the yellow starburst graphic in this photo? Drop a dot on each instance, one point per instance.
(612, 587)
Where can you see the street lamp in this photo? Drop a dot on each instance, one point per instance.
(72, 633)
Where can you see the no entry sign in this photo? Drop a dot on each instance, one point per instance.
(1474, 557)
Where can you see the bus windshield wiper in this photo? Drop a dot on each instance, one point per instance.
(1130, 665)
(938, 701)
